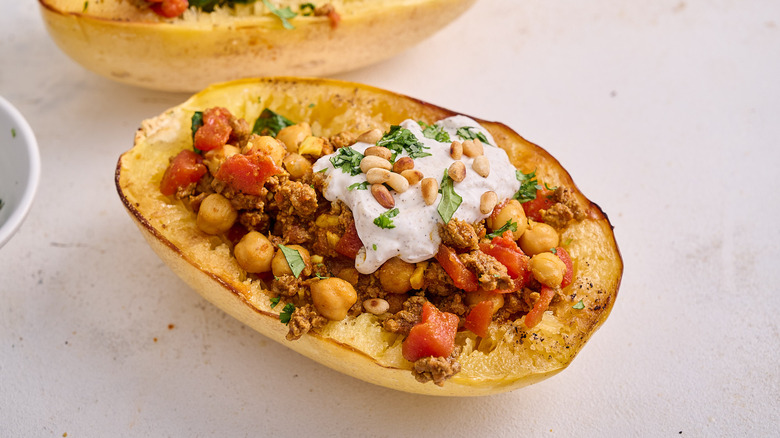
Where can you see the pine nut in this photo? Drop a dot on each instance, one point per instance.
(376, 306)
(403, 163)
(398, 182)
(487, 202)
(371, 162)
(412, 175)
(457, 171)
(378, 176)
(382, 195)
(473, 148)
(379, 151)
(481, 165)
(371, 136)
(430, 190)
(456, 150)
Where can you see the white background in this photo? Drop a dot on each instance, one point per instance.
(666, 113)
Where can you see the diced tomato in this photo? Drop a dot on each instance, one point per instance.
(461, 276)
(505, 250)
(215, 131)
(535, 315)
(186, 168)
(479, 318)
(247, 173)
(566, 259)
(350, 243)
(334, 18)
(169, 8)
(433, 336)
(542, 202)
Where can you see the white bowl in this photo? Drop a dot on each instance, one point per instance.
(20, 169)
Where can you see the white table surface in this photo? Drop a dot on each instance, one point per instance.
(666, 113)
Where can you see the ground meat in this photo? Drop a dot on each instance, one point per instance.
(303, 319)
(403, 321)
(240, 200)
(453, 304)
(437, 281)
(254, 220)
(240, 131)
(287, 286)
(342, 139)
(458, 234)
(297, 198)
(565, 209)
(491, 274)
(437, 369)
(515, 304)
(293, 229)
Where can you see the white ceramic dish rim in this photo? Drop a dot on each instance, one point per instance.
(17, 216)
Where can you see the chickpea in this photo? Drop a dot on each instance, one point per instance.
(538, 238)
(548, 269)
(511, 211)
(216, 214)
(293, 135)
(395, 276)
(279, 265)
(297, 165)
(215, 157)
(351, 275)
(332, 297)
(268, 146)
(254, 252)
(473, 298)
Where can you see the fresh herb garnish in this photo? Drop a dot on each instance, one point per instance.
(348, 160)
(197, 122)
(307, 9)
(274, 301)
(528, 186)
(385, 219)
(311, 105)
(434, 132)
(511, 225)
(550, 188)
(86, 5)
(554, 250)
(13, 132)
(374, 246)
(359, 186)
(580, 305)
(287, 312)
(284, 14)
(323, 170)
(400, 139)
(450, 201)
(270, 123)
(294, 259)
(567, 242)
(466, 133)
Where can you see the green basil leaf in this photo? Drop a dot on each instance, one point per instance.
(270, 123)
(450, 201)
(294, 260)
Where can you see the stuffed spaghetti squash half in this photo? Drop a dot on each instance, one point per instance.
(384, 237)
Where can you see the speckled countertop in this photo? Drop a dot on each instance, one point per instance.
(665, 113)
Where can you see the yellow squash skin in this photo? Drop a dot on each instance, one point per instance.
(116, 39)
(511, 357)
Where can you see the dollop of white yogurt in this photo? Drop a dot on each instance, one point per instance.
(415, 235)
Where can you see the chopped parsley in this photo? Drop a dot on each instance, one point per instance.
(270, 123)
(550, 188)
(307, 9)
(284, 14)
(294, 259)
(374, 246)
(528, 186)
(86, 5)
(287, 312)
(359, 186)
(434, 132)
(13, 132)
(274, 301)
(579, 306)
(511, 225)
(348, 160)
(450, 201)
(554, 250)
(467, 133)
(401, 140)
(385, 219)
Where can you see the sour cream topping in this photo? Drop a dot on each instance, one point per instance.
(415, 235)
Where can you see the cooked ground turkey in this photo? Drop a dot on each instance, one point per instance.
(404, 320)
(565, 209)
(303, 319)
(437, 369)
(459, 234)
(491, 274)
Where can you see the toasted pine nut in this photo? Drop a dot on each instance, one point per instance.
(371, 162)
(378, 175)
(457, 171)
(473, 148)
(430, 190)
(376, 306)
(487, 202)
(371, 136)
(412, 175)
(382, 195)
(379, 151)
(398, 182)
(481, 165)
(456, 150)
(403, 163)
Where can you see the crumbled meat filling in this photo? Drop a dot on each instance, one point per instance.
(491, 274)
(437, 369)
(458, 234)
(302, 320)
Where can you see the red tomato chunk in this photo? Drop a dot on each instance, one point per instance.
(535, 315)
(215, 131)
(169, 8)
(433, 336)
(247, 173)
(461, 276)
(186, 168)
(478, 319)
(533, 209)
(350, 243)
